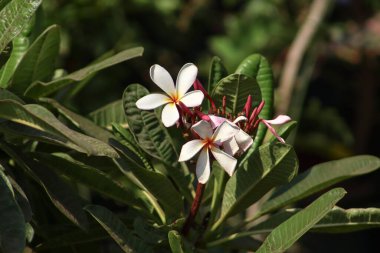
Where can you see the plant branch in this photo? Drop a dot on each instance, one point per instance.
(297, 50)
(194, 209)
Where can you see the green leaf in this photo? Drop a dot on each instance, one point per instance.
(14, 16)
(20, 45)
(12, 225)
(236, 88)
(257, 66)
(154, 138)
(175, 241)
(38, 62)
(338, 220)
(86, 125)
(319, 177)
(39, 88)
(61, 195)
(108, 114)
(270, 166)
(91, 177)
(5, 94)
(158, 185)
(283, 236)
(37, 122)
(216, 73)
(125, 238)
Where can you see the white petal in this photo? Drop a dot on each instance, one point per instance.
(203, 129)
(186, 78)
(162, 78)
(216, 120)
(190, 149)
(238, 119)
(230, 146)
(225, 131)
(280, 119)
(203, 166)
(169, 115)
(227, 162)
(193, 98)
(244, 140)
(152, 101)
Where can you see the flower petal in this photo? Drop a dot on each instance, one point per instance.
(169, 115)
(280, 119)
(203, 129)
(230, 146)
(190, 149)
(152, 101)
(238, 119)
(193, 98)
(203, 166)
(216, 120)
(186, 77)
(225, 131)
(244, 140)
(273, 131)
(162, 78)
(227, 162)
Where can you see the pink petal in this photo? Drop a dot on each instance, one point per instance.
(193, 98)
(185, 79)
(230, 146)
(244, 140)
(203, 167)
(225, 131)
(162, 78)
(280, 119)
(203, 129)
(273, 131)
(169, 115)
(190, 149)
(216, 121)
(227, 162)
(152, 101)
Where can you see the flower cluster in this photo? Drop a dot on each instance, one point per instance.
(217, 133)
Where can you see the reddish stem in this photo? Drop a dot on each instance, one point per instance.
(194, 209)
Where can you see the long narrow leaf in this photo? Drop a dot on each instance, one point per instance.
(12, 224)
(39, 88)
(117, 230)
(318, 178)
(283, 236)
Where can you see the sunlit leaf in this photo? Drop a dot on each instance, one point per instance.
(14, 17)
(319, 177)
(236, 88)
(283, 236)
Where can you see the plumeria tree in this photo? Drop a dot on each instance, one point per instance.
(174, 171)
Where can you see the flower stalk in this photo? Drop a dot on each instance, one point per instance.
(194, 209)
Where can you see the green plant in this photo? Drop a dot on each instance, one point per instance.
(69, 180)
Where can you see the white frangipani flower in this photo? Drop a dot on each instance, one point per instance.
(174, 94)
(210, 141)
(240, 142)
